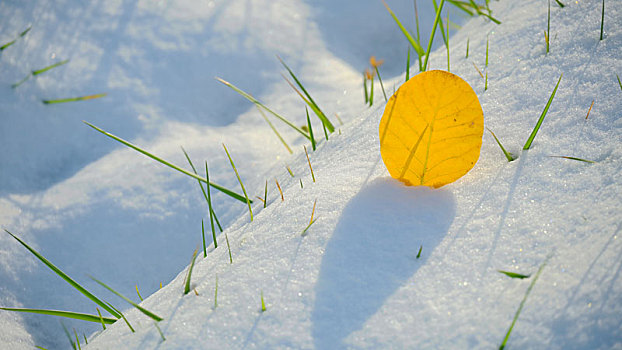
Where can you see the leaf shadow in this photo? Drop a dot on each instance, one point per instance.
(373, 252)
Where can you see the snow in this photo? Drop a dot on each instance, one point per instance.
(94, 207)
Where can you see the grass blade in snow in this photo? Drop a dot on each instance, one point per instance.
(73, 99)
(248, 201)
(574, 158)
(436, 21)
(256, 102)
(310, 130)
(507, 154)
(522, 304)
(68, 279)
(513, 274)
(189, 275)
(140, 308)
(43, 70)
(309, 99)
(170, 165)
(415, 44)
(3, 47)
(541, 119)
(66, 314)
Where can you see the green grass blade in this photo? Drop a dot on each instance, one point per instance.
(419, 252)
(73, 99)
(507, 154)
(522, 303)
(101, 319)
(309, 100)
(487, 41)
(64, 276)
(73, 345)
(248, 201)
(415, 44)
(381, 84)
(66, 314)
(159, 331)
(619, 82)
(257, 103)
(541, 119)
(310, 129)
(203, 238)
(3, 47)
(365, 88)
(216, 293)
(124, 319)
(189, 275)
(436, 21)
(560, 3)
(276, 132)
(263, 304)
(265, 195)
(77, 339)
(43, 70)
(170, 165)
(371, 93)
(575, 158)
(514, 274)
(16, 85)
(304, 232)
(467, 49)
(211, 210)
(140, 308)
(229, 249)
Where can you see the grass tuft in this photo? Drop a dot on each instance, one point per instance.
(541, 119)
(413, 42)
(308, 100)
(68, 279)
(73, 99)
(248, 201)
(522, 303)
(189, 274)
(170, 165)
(507, 154)
(140, 308)
(514, 274)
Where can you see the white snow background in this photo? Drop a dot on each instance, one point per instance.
(95, 207)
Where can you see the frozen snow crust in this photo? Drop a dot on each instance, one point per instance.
(354, 280)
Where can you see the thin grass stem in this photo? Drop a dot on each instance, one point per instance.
(229, 249)
(68, 279)
(140, 308)
(52, 66)
(73, 99)
(65, 314)
(124, 319)
(5, 46)
(381, 84)
(407, 64)
(467, 49)
(189, 274)
(276, 132)
(101, 319)
(365, 88)
(73, 345)
(248, 201)
(216, 293)
(170, 165)
(436, 20)
(589, 110)
(575, 158)
(137, 292)
(263, 304)
(280, 191)
(507, 154)
(602, 20)
(415, 43)
(541, 119)
(310, 129)
(419, 252)
(514, 274)
(257, 103)
(522, 303)
(309, 161)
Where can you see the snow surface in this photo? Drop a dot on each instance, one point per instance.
(96, 208)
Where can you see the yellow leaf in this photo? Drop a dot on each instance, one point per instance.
(431, 130)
